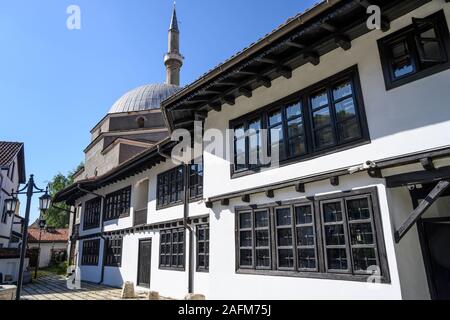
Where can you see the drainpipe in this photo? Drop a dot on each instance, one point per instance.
(187, 227)
(102, 275)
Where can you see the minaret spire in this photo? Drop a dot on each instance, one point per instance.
(173, 59)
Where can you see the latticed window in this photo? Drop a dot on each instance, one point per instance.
(322, 237)
(117, 204)
(114, 252)
(90, 252)
(203, 247)
(196, 180)
(172, 243)
(170, 187)
(92, 214)
(416, 51)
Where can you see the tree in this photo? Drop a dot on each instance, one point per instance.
(55, 217)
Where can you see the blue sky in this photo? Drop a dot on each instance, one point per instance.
(56, 84)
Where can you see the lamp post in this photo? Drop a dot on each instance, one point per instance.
(41, 228)
(11, 205)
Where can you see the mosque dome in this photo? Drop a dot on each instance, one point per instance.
(147, 97)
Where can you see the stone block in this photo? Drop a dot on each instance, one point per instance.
(8, 292)
(194, 296)
(153, 295)
(128, 290)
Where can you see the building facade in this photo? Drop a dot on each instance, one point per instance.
(358, 205)
(12, 175)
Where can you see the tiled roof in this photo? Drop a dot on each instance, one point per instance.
(55, 235)
(8, 151)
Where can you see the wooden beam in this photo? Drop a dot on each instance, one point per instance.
(334, 181)
(200, 115)
(329, 27)
(267, 60)
(421, 209)
(295, 45)
(231, 100)
(265, 81)
(250, 73)
(285, 71)
(183, 123)
(246, 91)
(270, 194)
(245, 198)
(225, 202)
(427, 164)
(312, 57)
(300, 187)
(417, 177)
(343, 41)
(209, 204)
(216, 106)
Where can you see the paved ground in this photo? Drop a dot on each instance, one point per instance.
(54, 287)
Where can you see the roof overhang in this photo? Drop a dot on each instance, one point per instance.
(138, 164)
(303, 39)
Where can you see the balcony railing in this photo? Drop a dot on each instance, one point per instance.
(140, 217)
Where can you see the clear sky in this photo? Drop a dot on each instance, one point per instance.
(56, 83)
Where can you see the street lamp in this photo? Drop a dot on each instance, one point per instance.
(11, 205)
(44, 204)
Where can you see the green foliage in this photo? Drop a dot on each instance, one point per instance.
(55, 217)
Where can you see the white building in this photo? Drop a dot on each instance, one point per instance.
(12, 174)
(48, 245)
(359, 207)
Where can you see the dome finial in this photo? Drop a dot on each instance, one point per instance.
(174, 21)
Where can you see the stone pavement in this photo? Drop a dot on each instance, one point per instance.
(53, 287)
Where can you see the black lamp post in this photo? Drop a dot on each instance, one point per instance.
(11, 205)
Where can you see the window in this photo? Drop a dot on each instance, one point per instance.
(92, 213)
(140, 122)
(90, 253)
(196, 180)
(117, 204)
(170, 187)
(4, 215)
(12, 169)
(114, 252)
(319, 119)
(415, 52)
(203, 247)
(171, 254)
(331, 237)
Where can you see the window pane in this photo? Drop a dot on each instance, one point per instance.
(246, 238)
(337, 259)
(262, 238)
(284, 237)
(245, 220)
(201, 234)
(304, 215)
(275, 118)
(322, 117)
(262, 258)
(324, 137)
(342, 91)
(285, 258)
(319, 100)
(293, 111)
(401, 59)
(277, 140)
(239, 132)
(345, 109)
(363, 259)
(305, 236)
(201, 260)
(349, 130)
(261, 219)
(334, 235)
(358, 209)
(297, 146)
(332, 212)
(246, 257)
(361, 233)
(295, 127)
(306, 259)
(284, 217)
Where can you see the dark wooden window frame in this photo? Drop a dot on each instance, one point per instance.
(90, 254)
(164, 180)
(117, 204)
(408, 34)
(170, 266)
(113, 252)
(196, 189)
(351, 74)
(92, 214)
(322, 272)
(205, 254)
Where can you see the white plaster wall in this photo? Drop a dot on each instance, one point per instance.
(225, 283)
(394, 117)
(11, 267)
(45, 253)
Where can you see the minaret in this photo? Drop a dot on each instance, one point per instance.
(173, 59)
